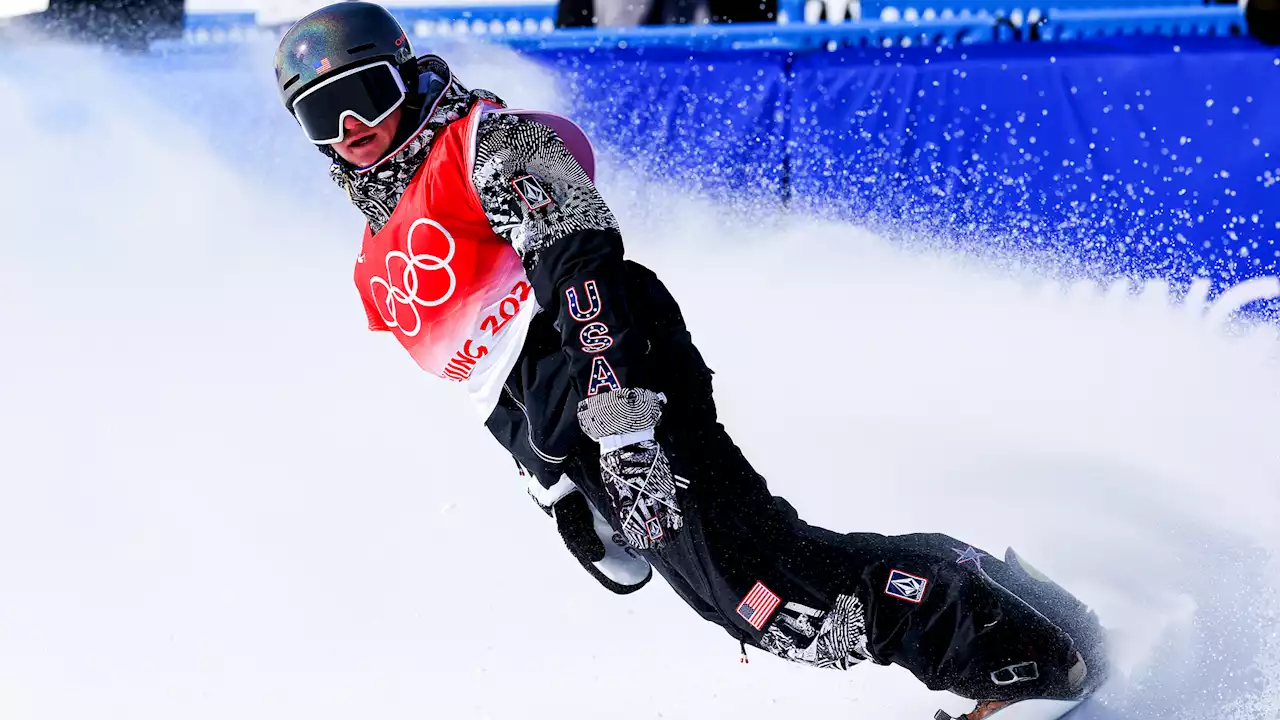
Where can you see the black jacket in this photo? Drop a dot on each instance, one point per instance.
(539, 199)
(535, 419)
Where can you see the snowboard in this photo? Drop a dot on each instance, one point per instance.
(1022, 710)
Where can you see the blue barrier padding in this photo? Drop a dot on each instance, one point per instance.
(715, 118)
(1138, 155)
(762, 36)
(216, 21)
(978, 21)
(1155, 156)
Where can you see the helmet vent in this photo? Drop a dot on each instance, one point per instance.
(291, 81)
(361, 48)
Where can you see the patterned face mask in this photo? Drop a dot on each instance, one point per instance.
(376, 190)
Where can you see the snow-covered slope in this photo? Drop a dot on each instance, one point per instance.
(220, 497)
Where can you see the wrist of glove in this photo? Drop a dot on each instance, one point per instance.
(589, 537)
(637, 475)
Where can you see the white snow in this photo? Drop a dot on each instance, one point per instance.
(14, 8)
(220, 497)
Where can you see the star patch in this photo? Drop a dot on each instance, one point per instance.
(969, 554)
(905, 586)
(531, 192)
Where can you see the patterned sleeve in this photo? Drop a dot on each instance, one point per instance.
(509, 147)
(540, 199)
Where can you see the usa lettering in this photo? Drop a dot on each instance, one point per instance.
(594, 336)
(602, 377)
(593, 307)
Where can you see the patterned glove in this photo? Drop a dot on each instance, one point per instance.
(637, 476)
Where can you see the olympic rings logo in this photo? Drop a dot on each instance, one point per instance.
(406, 294)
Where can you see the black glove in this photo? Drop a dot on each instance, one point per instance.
(637, 476)
(589, 537)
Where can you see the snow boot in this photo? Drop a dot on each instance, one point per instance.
(1062, 609)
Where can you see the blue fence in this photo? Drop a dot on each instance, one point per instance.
(1137, 155)
(1151, 156)
(1148, 144)
(881, 21)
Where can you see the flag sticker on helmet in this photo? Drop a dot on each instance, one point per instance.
(323, 66)
(531, 192)
(404, 52)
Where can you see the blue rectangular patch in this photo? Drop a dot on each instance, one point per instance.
(905, 586)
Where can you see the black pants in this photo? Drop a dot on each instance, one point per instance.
(908, 600)
(950, 614)
(959, 619)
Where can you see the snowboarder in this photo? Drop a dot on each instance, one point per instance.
(491, 256)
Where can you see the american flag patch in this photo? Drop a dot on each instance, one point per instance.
(758, 606)
(323, 66)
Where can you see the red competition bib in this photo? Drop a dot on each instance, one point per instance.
(438, 277)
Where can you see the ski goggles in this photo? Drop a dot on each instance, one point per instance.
(368, 93)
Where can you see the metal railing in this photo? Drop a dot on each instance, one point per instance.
(835, 11)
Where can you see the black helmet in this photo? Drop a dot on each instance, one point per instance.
(323, 55)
